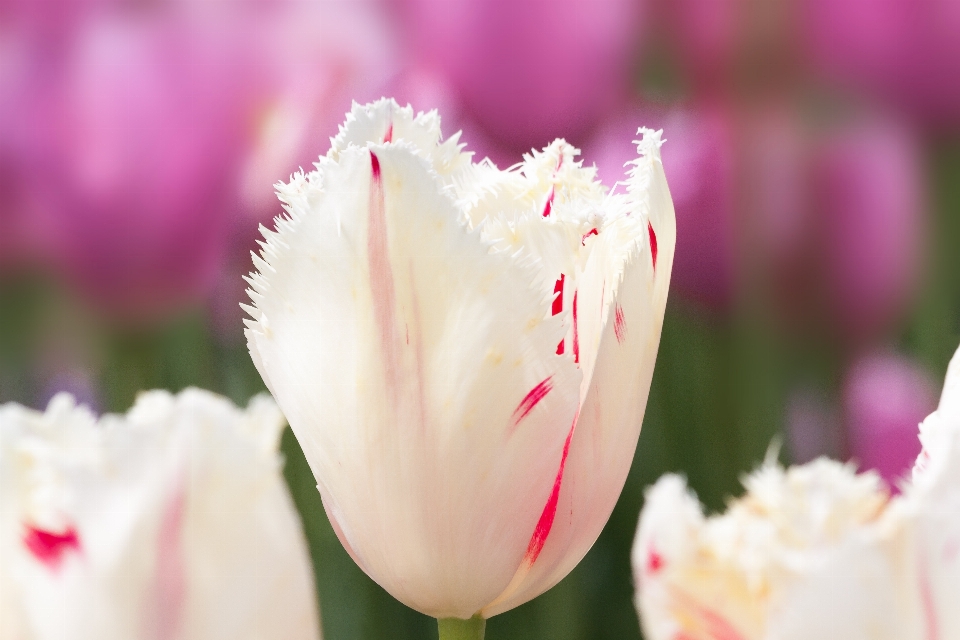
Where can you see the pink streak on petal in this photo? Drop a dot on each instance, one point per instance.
(545, 524)
(170, 581)
(716, 626)
(531, 400)
(388, 136)
(929, 607)
(653, 244)
(48, 547)
(381, 278)
(576, 335)
(619, 328)
(592, 232)
(654, 561)
(548, 207)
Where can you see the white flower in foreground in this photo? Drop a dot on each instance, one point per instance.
(814, 551)
(171, 522)
(463, 353)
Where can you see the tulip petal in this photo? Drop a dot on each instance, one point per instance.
(934, 505)
(385, 121)
(417, 366)
(617, 318)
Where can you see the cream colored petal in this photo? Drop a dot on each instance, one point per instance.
(684, 588)
(174, 521)
(385, 121)
(854, 591)
(418, 370)
(932, 505)
(619, 306)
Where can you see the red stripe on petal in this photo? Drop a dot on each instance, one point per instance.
(592, 232)
(548, 207)
(388, 136)
(558, 305)
(558, 300)
(653, 244)
(531, 400)
(545, 524)
(381, 277)
(619, 326)
(49, 547)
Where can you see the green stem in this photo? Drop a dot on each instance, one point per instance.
(457, 629)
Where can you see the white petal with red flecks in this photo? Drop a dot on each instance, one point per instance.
(464, 353)
(171, 521)
(619, 302)
(400, 348)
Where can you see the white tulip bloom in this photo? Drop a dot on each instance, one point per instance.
(815, 551)
(170, 522)
(463, 353)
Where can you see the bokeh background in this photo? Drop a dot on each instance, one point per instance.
(813, 151)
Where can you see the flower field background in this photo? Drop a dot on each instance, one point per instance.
(813, 155)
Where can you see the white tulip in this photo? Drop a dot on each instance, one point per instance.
(463, 353)
(815, 551)
(172, 522)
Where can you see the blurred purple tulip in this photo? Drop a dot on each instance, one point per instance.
(699, 159)
(530, 70)
(148, 127)
(705, 34)
(869, 201)
(885, 397)
(907, 52)
(426, 90)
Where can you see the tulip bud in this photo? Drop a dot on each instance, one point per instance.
(885, 397)
(814, 551)
(463, 353)
(172, 521)
(529, 70)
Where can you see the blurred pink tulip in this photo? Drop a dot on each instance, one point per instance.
(905, 51)
(885, 396)
(426, 90)
(319, 58)
(869, 199)
(700, 164)
(530, 70)
(316, 58)
(148, 130)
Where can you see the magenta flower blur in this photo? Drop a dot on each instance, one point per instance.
(148, 124)
(526, 69)
(869, 194)
(885, 397)
(699, 163)
(904, 51)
